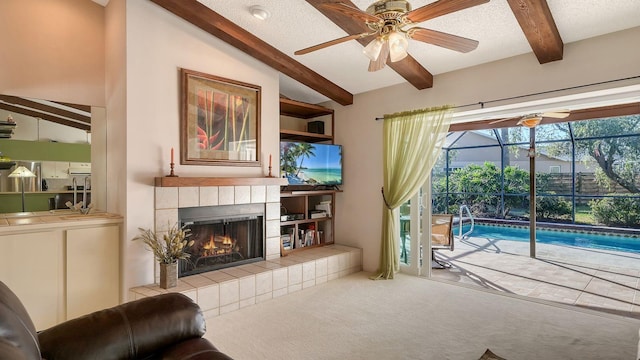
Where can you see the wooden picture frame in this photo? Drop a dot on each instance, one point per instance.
(219, 121)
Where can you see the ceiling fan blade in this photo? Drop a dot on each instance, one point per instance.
(351, 11)
(380, 62)
(556, 115)
(449, 41)
(441, 7)
(330, 43)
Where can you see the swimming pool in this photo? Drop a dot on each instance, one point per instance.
(593, 241)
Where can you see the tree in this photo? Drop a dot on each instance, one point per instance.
(618, 157)
(303, 150)
(479, 187)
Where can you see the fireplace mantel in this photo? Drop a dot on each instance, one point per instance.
(175, 181)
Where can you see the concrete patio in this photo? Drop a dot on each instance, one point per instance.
(602, 280)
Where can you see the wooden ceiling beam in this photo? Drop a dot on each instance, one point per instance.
(538, 26)
(218, 26)
(85, 108)
(44, 116)
(46, 108)
(408, 67)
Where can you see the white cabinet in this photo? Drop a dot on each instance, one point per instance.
(32, 268)
(76, 168)
(63, 273)
(55, 170)
(92, 270)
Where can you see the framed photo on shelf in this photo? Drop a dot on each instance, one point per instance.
(219, 121)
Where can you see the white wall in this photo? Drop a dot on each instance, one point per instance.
(53, 50)
(359, 207)
(158, 44)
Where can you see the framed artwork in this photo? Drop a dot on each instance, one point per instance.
(219, 121)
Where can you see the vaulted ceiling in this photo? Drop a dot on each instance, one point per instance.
(504, 28)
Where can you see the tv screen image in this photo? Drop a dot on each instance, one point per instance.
(311, 164)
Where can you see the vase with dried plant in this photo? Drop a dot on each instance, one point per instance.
(167, 249)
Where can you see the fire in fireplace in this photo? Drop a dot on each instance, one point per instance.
(224, 236)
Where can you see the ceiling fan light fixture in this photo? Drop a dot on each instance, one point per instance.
(372, 50)
(398, 45)
(259, 12)
(530, 121)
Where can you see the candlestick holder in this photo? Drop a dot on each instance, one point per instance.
(270, 175)
(171, 174)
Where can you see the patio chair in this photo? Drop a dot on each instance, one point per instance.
(441, 236)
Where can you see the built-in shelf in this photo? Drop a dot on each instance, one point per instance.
(290, 193)
(303, 203)
(302, 110)
(306, 113)
(295, 135)
(175, 181)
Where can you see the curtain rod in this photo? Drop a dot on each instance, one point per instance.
(482, 103)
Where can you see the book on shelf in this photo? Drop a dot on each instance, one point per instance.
(324, 206)
(287, 244)
(318, 214)
(309, 237)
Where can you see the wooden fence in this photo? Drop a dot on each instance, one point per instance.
(586, 184)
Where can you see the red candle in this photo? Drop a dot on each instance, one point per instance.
(172, 155)
(269, 160)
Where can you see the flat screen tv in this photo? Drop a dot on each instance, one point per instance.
(311, 164)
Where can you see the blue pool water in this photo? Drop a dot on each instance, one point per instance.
(593, 241)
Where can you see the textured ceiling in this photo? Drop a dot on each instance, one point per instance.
(294, 24)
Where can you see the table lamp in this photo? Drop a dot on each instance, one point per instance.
(22, 172)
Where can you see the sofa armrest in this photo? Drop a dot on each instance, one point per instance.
(9, 350)
(194, 349)
(132, 330)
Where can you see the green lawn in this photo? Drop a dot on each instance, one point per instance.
(584, 215)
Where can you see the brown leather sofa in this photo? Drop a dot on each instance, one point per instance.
(168, 326)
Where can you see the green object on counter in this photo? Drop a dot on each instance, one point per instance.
(46, 151)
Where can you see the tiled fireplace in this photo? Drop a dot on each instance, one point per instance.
(231, 288)
(171, 199)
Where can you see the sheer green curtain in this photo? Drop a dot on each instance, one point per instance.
(412, 142)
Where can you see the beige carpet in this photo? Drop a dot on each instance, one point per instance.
(415, 318)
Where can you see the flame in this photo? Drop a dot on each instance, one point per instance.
(226, 246)
(209, 247)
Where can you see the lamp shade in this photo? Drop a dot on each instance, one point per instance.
(21, 172)
(398, 45)
(372, 50)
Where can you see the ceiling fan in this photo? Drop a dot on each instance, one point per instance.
(387, 19)
(534, 119)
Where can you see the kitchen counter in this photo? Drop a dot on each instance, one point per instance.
(64, 218)
(52, 192)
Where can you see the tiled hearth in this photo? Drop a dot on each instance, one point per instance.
(229, 289)
(222, 291)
